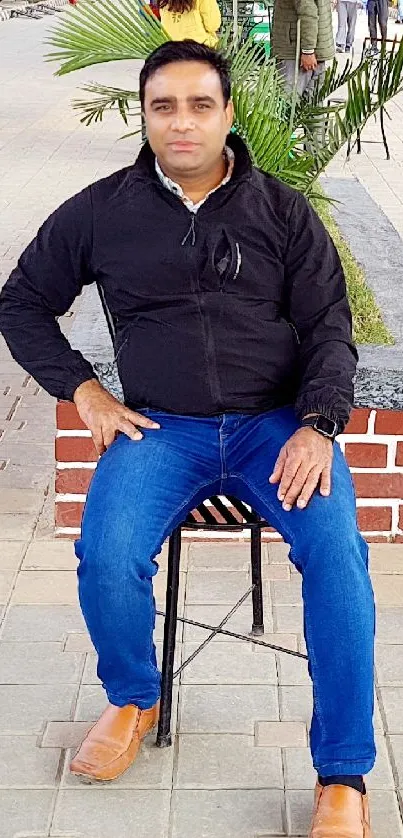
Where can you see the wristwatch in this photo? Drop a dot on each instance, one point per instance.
(324, 426)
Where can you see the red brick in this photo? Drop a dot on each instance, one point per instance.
(399, 454)
(378, 539)
(358, 423)
(67, 418)
(398, 539)
(389, 422)
(401, 518)
(69, 514)
(366, 455)
(75, 449)
(379, 485)
(73, 480)
(374, 518)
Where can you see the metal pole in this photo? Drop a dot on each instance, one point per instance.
(235, 18)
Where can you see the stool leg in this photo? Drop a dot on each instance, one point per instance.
(257, 593)
(164, 738)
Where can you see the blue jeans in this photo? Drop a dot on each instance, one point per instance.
(142, 490)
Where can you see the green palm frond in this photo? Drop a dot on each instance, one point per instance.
(108, 98)
(93, 33)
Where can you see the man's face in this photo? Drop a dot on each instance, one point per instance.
(187, 120)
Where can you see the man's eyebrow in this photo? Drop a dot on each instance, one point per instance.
(164, 100)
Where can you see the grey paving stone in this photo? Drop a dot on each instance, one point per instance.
(16, 527)
(64, 734)
(293, 671)
(92, 701)
(22, 501)
(288, 619)
(50, 555)
(389, 665)
(229, 813)
(46, 587)
(299, 807)
(152, 768)
(396, 743)
(278, 553)
(22, 477)
(22, 763)
(42, 622)
(218, 588)
(388, 589)
(386, 558)
(106, 812)
(295, 704)
(11, 553)
(287, 593)
(27, 810)
(392, 701)
(226, 709)
(281, 735)
(78, 641)
(226, 762)
(229, 663)
(25, 708)
(389, 625)
(240, 622)
(6, 584)
(38, 663)
(216, 556)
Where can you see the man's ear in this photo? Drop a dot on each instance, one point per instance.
(230, 113)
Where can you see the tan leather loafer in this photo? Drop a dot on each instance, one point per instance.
(113, 743)
(340, 812)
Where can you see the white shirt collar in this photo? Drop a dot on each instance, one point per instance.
(177, 190)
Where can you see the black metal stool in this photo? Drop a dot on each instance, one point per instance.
(215, 516)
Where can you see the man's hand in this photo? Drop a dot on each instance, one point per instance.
(105, 416)
(304, 462)
(309, 62)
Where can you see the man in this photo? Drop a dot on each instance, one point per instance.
(347, 22)
(235, 355)
(314, 20)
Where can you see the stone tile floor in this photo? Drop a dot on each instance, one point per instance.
(240, 767)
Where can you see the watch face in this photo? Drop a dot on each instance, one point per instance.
(326, 426)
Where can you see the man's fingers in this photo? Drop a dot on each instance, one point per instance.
(309, 487)
(130, 430)
(326, 481)
(278, 467)
(140, 420)
(290, 469)
(296, 486)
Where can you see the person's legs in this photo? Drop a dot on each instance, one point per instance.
(331, 555)
(139, 493)
(342, 24)
(372, 22)
(352, 22)
(400, 11)
(383, 17)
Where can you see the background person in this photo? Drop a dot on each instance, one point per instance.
(198, 20)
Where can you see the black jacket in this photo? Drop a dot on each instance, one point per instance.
(240, 308)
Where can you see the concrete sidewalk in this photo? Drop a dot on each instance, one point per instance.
(240, 767)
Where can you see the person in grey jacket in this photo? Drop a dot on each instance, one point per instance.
(314, 18)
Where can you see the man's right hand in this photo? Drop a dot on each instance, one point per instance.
(105, 416)
(309, 62)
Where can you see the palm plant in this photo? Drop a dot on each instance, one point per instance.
(280, 131)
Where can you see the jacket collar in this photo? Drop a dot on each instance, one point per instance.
(144, 167)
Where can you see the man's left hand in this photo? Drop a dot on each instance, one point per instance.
(303, 464)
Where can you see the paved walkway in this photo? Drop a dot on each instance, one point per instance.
(240, 767)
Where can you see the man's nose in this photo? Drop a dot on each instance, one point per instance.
(183, 121)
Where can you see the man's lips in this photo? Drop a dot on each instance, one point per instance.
(183, 145)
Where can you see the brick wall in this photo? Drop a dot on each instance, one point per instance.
(372, 442)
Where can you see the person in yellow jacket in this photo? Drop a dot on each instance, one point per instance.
(198, 20)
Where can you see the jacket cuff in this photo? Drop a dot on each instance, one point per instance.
(341, 417)
(75, 380)
(308, 52)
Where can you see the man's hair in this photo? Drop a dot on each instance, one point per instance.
(178, 6)
(174, 51)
